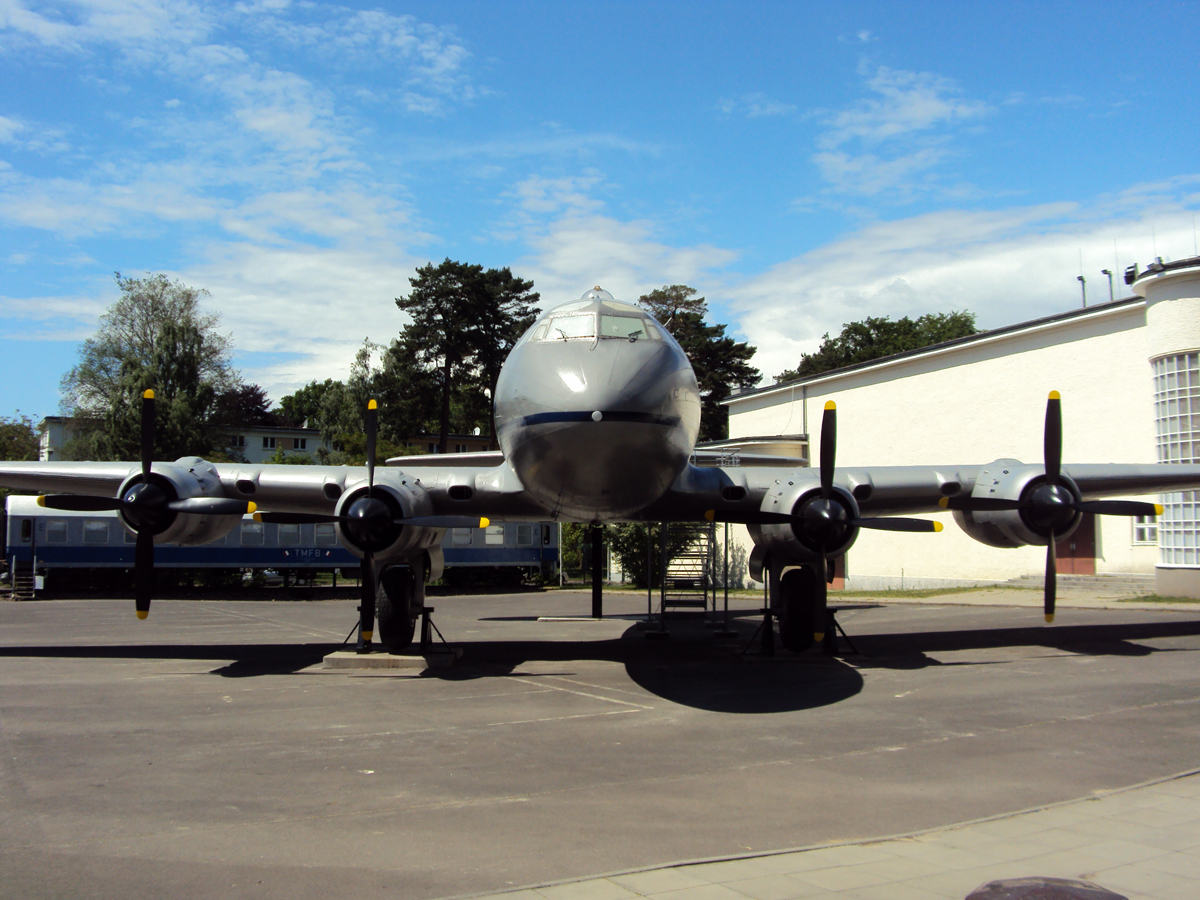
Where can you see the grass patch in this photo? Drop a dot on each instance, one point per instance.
(931, 592)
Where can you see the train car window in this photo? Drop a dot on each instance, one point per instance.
(27, 530)
(95, 532)
(494, 535)
(252, 532)
(524, 535)
(463, 536)
(547, 534)
(56, 531)
(289, 535)
(325, 534)
(130, 538)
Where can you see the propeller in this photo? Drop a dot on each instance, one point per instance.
(1052, 505)
(148, 509)
(824, 520)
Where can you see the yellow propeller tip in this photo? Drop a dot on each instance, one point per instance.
(944, 503)
(1049, 618)
(819, 637)
(1055, 395)
(484, 522)
(41, 501)
(1158, 508)
(148, 394)
(829, 404)
(367, 635)
(937, 526)
(710, 514)
(143, 613)
(371, 404)
(258, 517)
(251, 506)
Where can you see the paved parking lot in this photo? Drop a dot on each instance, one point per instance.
(203, 754)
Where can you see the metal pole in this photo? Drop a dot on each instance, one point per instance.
(560, 556)
(597, 580)
(662, 574)
(726, 576)
(1083, 287)
(649, 571)
(1111, 297)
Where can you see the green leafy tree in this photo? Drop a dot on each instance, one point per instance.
(18, 438)
(720, 362)
(464, 322)
(875, 338)
(243, 406)
(628, 543)
(305, 404)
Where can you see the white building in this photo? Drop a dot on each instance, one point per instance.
(256, 445)
(1128, 374)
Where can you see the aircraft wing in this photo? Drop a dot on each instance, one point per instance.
(100, 478)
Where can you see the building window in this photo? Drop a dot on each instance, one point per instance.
(433, 448)
(524, 535)
(461, 448)
(56, 531)
(494, 535)
(1145, 529)
(300, 444)
(463, 536)
(252, 532)
(238, 440)
(1177, 418)
(289, 535)
(268, 443)
(325, 534)
(95, 532)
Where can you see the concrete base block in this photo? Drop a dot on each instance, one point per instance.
(380, 659)
(1177, 582)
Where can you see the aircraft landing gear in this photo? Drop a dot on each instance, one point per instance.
(797, 607)
(398, 608)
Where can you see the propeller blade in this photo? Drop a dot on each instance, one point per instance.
(147, 433)
(372, 424)
(212, 506)
(288, 518)
(143, 572)
(79, 502)
(896, 523)
(1119, 508)
(445, 521)
(1051, 578)
(366, 609)
(828, 448)
(821, 610)
(978, 504)
(1052, 440)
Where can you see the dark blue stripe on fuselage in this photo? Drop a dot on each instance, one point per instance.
(547, 418)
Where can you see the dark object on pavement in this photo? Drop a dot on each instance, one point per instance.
(1042, 889)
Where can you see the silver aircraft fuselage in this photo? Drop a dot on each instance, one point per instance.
(597, 409)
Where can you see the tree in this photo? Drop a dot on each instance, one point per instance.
(464, 322)
(305, 404)
(874, 338)
(720, 362)
(627, 541)
(18, 438)
(154, 336)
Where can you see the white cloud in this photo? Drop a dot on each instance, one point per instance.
(755, 106)
(1006, 266)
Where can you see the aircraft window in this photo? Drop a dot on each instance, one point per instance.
(540, 331)
(252, 532)
(623, 307)
(289, 534)
(575, 304)
(95, 532)
(56, 531)
(622, 327)
(463, 536)
(565, 328)
(325, 534)
(655, 334)
(495, 535)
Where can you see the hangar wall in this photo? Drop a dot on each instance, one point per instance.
(972, 401)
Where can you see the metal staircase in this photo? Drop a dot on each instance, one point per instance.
(22, 582)
(689, 579)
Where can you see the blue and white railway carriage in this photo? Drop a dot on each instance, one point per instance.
(47, 539)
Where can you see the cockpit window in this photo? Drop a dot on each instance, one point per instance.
(568, 328)
(540, 331)
(627, 327)
(621, 307)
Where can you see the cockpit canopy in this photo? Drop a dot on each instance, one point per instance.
(595, 315)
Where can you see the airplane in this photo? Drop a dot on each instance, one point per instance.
(597, 413)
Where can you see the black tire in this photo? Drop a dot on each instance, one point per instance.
(395, 609)
(797, 607)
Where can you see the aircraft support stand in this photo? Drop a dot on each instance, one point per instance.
(829, 646)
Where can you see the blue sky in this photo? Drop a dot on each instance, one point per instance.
(802, 165)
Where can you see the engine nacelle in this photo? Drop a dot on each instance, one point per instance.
(787, 543)
(388, 541)
(184, 479)
(1010, 479)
